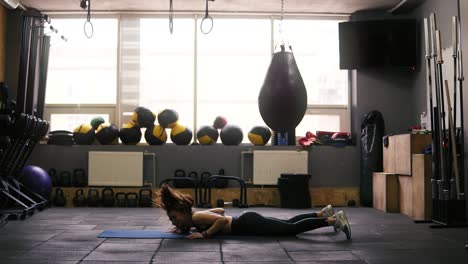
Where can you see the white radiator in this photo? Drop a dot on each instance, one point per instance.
(268, 165)
(108, 168)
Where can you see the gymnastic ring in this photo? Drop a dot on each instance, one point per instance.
(92, 29)
(206, 18)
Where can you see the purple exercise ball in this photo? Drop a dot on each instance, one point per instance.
(37, 180)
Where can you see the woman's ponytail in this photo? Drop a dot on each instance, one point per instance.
(174, 200)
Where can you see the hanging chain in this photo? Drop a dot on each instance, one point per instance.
(281, 19)
(282, 9)
(374, 130)
(171, 17)
(88, 18)
(280, 27)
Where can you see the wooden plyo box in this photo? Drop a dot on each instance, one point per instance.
(415, 191)
(405, 190)
(422, 190)
(385, 192)
(397, 155)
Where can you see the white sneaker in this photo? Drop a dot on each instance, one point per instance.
(329, 212)
(341, 223)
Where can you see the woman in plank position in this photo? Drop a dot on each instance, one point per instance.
(178, 207)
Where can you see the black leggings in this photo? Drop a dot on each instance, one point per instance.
(252, 223)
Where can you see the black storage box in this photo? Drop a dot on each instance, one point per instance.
(294, 190)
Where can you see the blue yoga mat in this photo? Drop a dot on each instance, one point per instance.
(119, 233)
(139, 234)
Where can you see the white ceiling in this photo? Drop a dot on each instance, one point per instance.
(254, 6)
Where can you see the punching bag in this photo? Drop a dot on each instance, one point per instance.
(283, 98)
(372, 132)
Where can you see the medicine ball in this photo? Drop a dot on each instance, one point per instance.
(37, 180)
(143, 117)
(107, 134)
(259, 135)
(207, 135)
(130, 134)
(168, 118)
(95, 122)
(231, 135)
(219, 122)
(156, 135)
(84, 134)
(181, 135)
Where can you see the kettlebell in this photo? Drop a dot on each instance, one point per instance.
(120, 199)
(181, 174)
(79, 178)
(79, 200)
(53, 176)
(64, 179)
(93, 197)
(235, 203)
(220, 183)
(146, 198)
(192, 175)
(59, 198)
(132, 199)
(204, 177)
(107, 197)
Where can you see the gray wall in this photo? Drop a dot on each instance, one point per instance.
(387, 90)
(444, 11)
(329, 166)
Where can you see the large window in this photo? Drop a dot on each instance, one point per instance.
(232, 63)
(82, 75)
(315, 47)
(199, 75)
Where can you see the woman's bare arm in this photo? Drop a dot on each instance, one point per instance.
(217, 210)
(215, 221)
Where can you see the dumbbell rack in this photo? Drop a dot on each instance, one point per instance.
(20, 200)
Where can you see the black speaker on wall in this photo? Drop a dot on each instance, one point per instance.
(378, 43)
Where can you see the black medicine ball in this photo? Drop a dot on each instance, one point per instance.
(95, 122)
(259, 135)
(181, 135)
(130, 134)
(84, 134)
(143, 117)
(219, 122)
(231, 135)
(107, 134)
(168, 118)
(207, 135)
(156, 135)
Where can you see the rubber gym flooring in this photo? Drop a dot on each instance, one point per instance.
(69, 235)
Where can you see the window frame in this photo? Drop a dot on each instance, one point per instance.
(114, 111)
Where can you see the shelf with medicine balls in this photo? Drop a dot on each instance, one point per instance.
(98, 131)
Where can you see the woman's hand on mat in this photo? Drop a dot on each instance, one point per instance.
(195, 235)
(176, 230)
